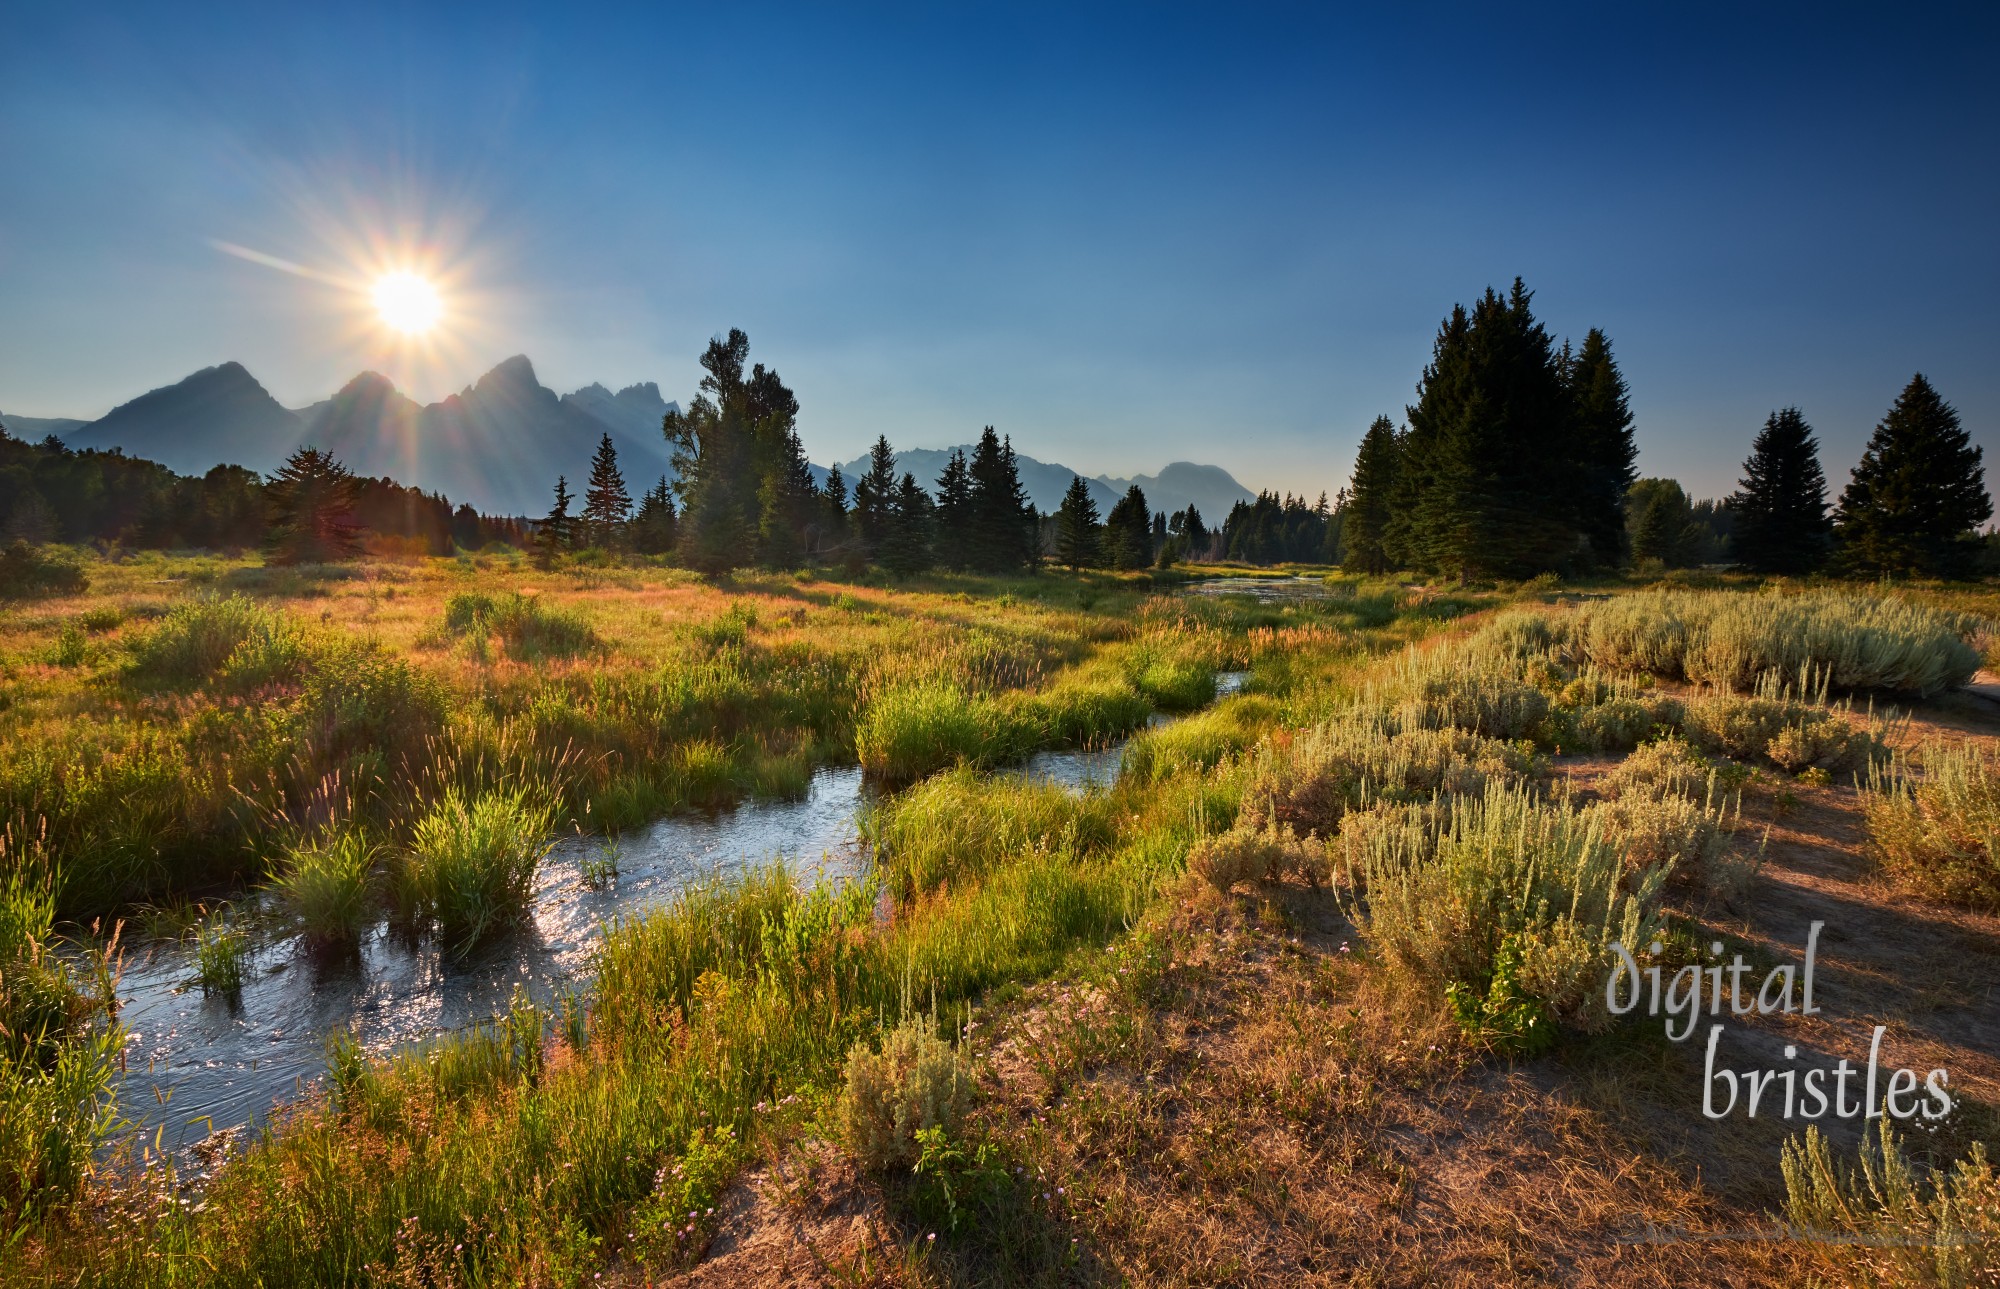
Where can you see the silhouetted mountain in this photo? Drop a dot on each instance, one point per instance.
(33, 429)
(498, 444)
(218, 416)
(1209, 488)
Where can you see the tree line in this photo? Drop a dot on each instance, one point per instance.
(1518, 458)
(743, 493)
(49, 493)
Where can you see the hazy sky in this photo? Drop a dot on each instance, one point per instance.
(1123, 235)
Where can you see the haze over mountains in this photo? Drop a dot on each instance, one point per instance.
(498, 444)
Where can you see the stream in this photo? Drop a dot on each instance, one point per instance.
(198, 1063)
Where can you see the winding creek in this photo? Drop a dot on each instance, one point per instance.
(198, 1063)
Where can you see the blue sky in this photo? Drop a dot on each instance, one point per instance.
(1125, 235)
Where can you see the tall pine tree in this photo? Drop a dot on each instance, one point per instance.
(310, 503)
(606, 504)
(1918, 496)
(875, 497)
(1002, 520)
(1128, 531)
(906, 541)
(556, 532)
(1365, 517)
(955, 540)
(1076, 527)
(1603, 454)
(1780, 506)
(653, 528)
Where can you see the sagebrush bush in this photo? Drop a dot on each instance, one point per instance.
(1845, 639)
(1258, 849)
(1308, 780)
(1887, 1221)
(917, 1081)
(1935, 822)
(1789, 733)
(1507, 907)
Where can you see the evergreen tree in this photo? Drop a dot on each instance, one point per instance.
(906, 543)
(1193, 535)
(875, 496)
(1076, 527)
(1780, 508)
(556, 532)
(1603, 453)
(606, 504)
(1002, 521)
(310, 503)
(954, 540)
(1366, 514)
(833, 528)
(1661, 523)
(1487, 480)
(745, 487)
(1918, 496)
(653, 528)
(1128, 531)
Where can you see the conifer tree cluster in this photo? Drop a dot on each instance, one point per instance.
(1517, 456)
(1274, 530)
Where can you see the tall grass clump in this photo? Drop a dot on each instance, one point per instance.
(59, 1046)
(325, 885)
(1853, 640)
(955, 826)
(1310, 779)
(1507, 907)
(1891, 1222)
(199, 637)
(471, 861)
(528, 629)
(1936, 823)
(221, 953)
(1199, 742)
(914, 730)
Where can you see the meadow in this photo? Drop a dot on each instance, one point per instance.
(1306, 995)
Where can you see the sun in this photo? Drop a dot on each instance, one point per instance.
(407, 302)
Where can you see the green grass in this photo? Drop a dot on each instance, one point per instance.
(327, 885)
(470, 866)
(221, 953)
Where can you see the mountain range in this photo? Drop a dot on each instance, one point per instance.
(499, 443)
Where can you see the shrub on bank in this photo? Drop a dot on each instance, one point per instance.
(1936, 821)
(1508, 908)
(915, 1083)
(1845, 639)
